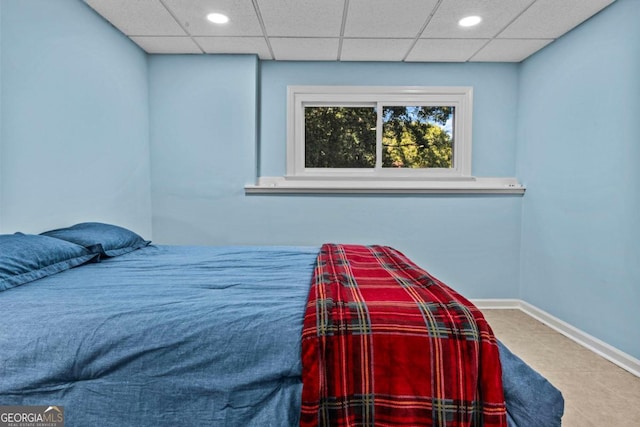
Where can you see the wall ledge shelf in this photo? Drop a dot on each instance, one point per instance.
(469, 185)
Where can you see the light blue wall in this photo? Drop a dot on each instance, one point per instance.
(203, 136)
(74, 119)
(495, 93)
(579, 148)
(441, 233)
(203, 145)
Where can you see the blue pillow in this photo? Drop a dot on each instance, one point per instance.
(104, 239)
(27, 257)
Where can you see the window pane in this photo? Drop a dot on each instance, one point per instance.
(417, 137)
(340, 137)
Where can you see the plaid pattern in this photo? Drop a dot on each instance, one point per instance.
(386, 344)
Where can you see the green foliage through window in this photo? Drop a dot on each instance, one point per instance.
(417, 137)
(412, 137)
(340, 137)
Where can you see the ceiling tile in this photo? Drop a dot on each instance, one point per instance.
(302, 18)
(509, 50)
(496, 14)
(238, 45)
(372, 30)
(384, 18)
(305, 49)
(138, 18)
(444, 50)
(243, 20)
(374, 49)
(551, 18)
(167, 44)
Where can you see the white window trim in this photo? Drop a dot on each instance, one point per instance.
(354, 96)
(471, 185)
(455, 180)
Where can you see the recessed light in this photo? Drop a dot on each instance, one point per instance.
(218, 18)
(469, 21)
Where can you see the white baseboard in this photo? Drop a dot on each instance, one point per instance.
(612, 354)
(491, 304)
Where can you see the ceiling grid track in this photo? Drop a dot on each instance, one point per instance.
(256, 7)
(424, 27)
(502, 30)
(186, 31)
(342, 28)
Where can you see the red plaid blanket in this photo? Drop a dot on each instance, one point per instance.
(386, 344)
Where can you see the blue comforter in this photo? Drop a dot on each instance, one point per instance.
(172, 335)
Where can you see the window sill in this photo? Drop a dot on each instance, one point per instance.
(471, 185)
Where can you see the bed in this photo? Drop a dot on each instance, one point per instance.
(119, 332)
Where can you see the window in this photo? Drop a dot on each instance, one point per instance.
(379, 132)
(380, 139)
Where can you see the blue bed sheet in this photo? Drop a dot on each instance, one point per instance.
(167, 336)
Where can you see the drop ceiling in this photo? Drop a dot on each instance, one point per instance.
(349, 30)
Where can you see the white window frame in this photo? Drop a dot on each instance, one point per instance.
(456, 180)
(300, 97)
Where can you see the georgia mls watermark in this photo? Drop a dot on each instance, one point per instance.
(31, 416)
